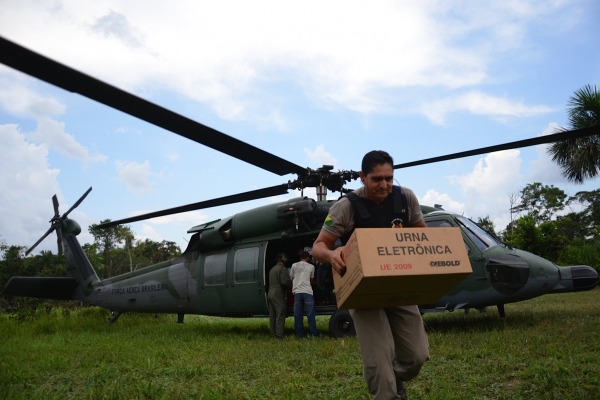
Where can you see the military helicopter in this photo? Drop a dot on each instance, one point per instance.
(224, 269)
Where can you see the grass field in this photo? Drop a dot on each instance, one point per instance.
(545, 348)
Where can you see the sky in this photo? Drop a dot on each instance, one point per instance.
(313, 82)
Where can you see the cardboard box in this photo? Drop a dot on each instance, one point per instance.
(391, 267)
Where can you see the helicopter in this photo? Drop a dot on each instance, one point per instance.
(224, 269)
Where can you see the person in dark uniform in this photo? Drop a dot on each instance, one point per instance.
(392, 340)
(279, 282)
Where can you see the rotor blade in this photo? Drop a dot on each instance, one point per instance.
(55, 205)
(49, 231)
(78, 202)
(67, 78)
(563, 135)
(220, 201)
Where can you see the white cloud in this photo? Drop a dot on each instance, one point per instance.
(188, 218)
(239, 45)
(172, 157)
(479, 103)
(149, 232)
(170, 227)
(117, 25)
(495, 169)
(52, 133)
(137, 176)
(432, 197)
(488, 186)
(321, 156)
(542, 168)
(19, 100)
(28, 184)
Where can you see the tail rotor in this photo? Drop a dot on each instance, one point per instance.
(56, 221)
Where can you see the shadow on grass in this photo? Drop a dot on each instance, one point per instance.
(485, 322)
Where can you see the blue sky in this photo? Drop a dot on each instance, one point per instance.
(314, 82)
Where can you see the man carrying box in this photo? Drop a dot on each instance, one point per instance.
(392, 340)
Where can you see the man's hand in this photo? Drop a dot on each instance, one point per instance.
(322, 251)
(337, 261)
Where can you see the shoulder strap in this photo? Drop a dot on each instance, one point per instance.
(400, 202)
(358, 204)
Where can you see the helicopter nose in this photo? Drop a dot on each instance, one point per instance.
(576, 278)
(584, 277)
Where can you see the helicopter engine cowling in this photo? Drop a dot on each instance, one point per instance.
(294, 215)
(273, 218)
(296, 208)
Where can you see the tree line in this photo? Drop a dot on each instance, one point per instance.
(114, 251)
(549, 223)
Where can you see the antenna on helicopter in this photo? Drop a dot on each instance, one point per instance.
(56, 222)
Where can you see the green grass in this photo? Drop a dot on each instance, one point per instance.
(546, 348)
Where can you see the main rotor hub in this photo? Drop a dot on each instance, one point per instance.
(323, 179)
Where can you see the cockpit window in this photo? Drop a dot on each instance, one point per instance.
(478, 235)
(439, 223)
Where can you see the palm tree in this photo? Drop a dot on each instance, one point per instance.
(580, 158)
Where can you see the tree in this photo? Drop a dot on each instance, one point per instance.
(149, 252)
(48, 264)
(92, 253)
(544, 240)
(551, 242)
(525, 235)
(12, 262)
(591, 202)
(541, 201)
(572, 227)
(513, 198)
(108, 240)
(487, 224)
(579, 158)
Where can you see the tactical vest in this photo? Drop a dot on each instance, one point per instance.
(392, 213)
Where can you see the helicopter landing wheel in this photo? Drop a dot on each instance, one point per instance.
(341, 324)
